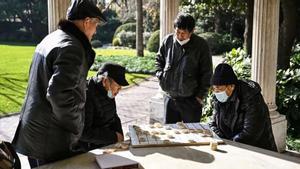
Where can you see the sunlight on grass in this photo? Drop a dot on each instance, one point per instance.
(14, 69)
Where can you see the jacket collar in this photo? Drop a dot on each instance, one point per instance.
(71, 28)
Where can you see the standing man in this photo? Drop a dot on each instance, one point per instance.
(52, 116)
(184, 69)
(102, 123)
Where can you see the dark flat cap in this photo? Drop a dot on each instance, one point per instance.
(114, 71)
(80, 9)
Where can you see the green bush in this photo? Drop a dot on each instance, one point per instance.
(127, 27)
(116, 42)
(288, 94)
(127, 39)
(96, 44)
(153, 43)
(106, 32)
(133, 64)
(220, 43)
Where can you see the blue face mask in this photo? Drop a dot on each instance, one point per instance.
(221, 96)
(110, 94)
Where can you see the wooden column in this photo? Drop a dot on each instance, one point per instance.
(168, 12)
(57, 10)
(264, 61)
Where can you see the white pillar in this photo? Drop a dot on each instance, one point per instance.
(168, 12)
(57, 10)
(264, 61)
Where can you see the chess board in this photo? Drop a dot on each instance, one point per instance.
(178, 134)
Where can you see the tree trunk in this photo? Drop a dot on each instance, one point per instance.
(139, 28)
(288, 33)
(249, 27)
(218, 22)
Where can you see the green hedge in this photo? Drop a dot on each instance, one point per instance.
(133, 64)
(153, 42)
(219, 43)
(127, 27)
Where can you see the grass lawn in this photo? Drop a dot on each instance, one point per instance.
(14, 67)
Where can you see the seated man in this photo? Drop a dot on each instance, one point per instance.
(102, 123)
(240, 112)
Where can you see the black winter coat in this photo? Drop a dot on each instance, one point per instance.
(244, 117)
(184, 71)
(101, 118)
(52, 116)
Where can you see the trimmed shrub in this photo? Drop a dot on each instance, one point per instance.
(220, 43)
(127, 39)
(105, 33)
(96, 43)
(133, 64)
(116, 42)
(153, 43)
(127, 27)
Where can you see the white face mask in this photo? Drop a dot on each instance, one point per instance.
(183, 41)
(221, 96)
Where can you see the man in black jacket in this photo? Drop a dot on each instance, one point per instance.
(240, 112)
(184, 69)
(102, 123)
(52, 116)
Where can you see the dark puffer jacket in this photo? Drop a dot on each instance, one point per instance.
(244, 117)
(101, 118)
(184, 71)
(52, 116)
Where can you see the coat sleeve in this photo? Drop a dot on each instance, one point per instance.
(116, 125)
(254, 121)
(160, 60)
(205, 69)
(61, 91)
(213, 124)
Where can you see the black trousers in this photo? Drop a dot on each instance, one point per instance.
(188, 110)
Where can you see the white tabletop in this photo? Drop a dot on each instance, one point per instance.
(232, 155)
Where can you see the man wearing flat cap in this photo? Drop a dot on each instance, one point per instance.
(102, 123)
(240, 112)
(52, 116)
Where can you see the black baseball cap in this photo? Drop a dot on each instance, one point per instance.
(80, 9)
(114, 71)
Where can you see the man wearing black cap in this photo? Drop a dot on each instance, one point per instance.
(240, 112)
(102, 123)
(52, 116)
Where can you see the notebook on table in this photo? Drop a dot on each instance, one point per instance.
(113, 161)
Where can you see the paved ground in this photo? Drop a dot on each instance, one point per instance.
(132, 107)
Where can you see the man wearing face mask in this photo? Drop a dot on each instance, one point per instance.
(102, 123)
(240, 112)
(184, 69)
(52, 116)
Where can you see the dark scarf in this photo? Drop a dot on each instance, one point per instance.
(71, 28)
